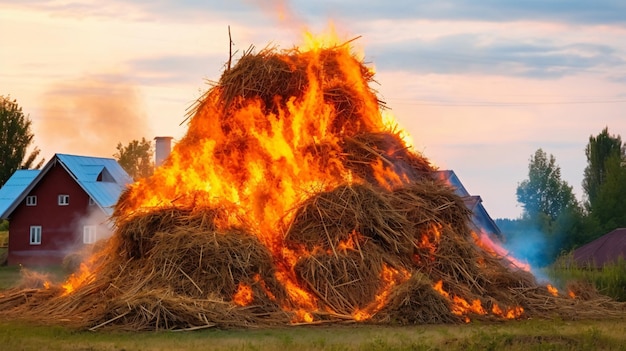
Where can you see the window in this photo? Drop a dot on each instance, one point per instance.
(31, 200)
(89, 234)
(35, 235)
(64, 200)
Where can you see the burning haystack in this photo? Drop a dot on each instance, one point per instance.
(290, 200)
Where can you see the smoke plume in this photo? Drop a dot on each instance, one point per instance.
(90, 116)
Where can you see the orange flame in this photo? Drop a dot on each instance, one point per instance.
(460, 306)
(509, 313)
(75, 280)
(486, 243)
(390, 277)
(552, 290)
(349, 244)
(243, 296)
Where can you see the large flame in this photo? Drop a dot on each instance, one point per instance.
(257, 148)
(262, 160)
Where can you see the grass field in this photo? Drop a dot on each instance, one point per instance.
(512, 335)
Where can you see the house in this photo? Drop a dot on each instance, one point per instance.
(480, 218)
(60, 208)
(604, 250)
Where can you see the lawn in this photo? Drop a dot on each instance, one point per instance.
(512, 335)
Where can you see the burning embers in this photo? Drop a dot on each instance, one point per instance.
(289, 201)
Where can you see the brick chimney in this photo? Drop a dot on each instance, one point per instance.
(162, 149)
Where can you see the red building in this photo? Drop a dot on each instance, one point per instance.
(61, 208)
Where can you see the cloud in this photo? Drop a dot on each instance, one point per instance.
(177, 69)
(572, 11)
(576, 11)
(473, 53)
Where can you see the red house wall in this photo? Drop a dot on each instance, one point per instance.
(61, 230)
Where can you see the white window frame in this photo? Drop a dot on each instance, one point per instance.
(31, 200)
(63, 199)
(89, 234)
(35, 235)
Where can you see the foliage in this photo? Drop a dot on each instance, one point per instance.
(544, 192)
(4, 225)
(601, 151)
(609, 206)
(552, 216)
(609, 280)
(15, 138)
(136, 158)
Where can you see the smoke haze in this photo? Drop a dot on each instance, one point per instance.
(90, 116)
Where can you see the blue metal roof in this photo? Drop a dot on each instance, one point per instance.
(103, 179)
(14, 187)
(480, 217)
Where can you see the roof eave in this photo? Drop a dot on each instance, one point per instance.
(27, 189)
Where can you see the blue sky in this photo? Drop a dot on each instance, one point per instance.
(479, 85)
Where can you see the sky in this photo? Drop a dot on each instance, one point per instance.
(479, 85)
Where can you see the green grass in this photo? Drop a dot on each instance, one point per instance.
(513, 335)
(610, 280)
(11, 275)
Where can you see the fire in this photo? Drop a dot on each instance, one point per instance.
(243, 296)
(75, 280)
(460, 306)
(261, 160)
(390, 277)
(351, 243)
(267, 137)
(571, 294)
(430, 240)
(484, 241)
(509, 313)
(554, 291)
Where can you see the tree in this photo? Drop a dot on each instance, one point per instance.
(552, 215)
(609, 206)
(15, 139)
(544, 193)
(599, 150)
(136, 158)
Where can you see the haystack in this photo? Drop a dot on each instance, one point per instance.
(379, 239)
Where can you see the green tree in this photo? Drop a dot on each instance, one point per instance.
(544, 192)
(15, 139)
(599, 150)
(136, 158)
(609, 206)
(550, 208)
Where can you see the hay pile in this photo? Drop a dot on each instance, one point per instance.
(364, 247)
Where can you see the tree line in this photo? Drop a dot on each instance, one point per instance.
(552, 218)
